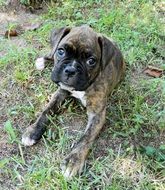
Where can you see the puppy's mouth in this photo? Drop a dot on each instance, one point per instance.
(76, 82)
(70, 77)
(65, 86)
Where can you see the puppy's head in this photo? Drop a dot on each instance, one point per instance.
(78, 56)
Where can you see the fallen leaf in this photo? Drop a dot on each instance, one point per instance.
(11, 33)
(19, 29)
(153, 71)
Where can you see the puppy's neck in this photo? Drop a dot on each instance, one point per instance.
(77, 94)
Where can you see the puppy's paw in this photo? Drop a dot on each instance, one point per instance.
(26, 137)
(40, 63)
(27, 141)
(72, 165)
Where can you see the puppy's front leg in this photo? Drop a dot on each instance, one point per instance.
(74, 162)
(36, 130)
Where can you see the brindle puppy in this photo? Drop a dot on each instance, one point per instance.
(88, 66)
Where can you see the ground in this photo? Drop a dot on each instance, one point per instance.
(130, 151)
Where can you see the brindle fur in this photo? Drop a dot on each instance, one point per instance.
(108, 75)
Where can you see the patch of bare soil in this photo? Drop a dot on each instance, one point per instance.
(10, 19)
(32, 6)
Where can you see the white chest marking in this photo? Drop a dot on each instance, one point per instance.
(77, 94)
(80, 95)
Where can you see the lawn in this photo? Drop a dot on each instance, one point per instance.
(129, 154)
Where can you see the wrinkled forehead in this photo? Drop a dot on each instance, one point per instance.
(82, 37)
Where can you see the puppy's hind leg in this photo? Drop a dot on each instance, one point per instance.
(36, 130)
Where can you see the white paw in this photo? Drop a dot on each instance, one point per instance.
(67, 173)
(27, 141)
(71, 167)
(40, 63)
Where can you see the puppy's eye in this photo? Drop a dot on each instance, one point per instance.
(91, 61)
(60, 53)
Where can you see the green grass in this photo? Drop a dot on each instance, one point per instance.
(130, 152)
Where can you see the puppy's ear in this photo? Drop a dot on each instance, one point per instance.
(107, 50)
(57, 35)
(55, 38)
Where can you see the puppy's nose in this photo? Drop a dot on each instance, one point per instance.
(70, 71)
